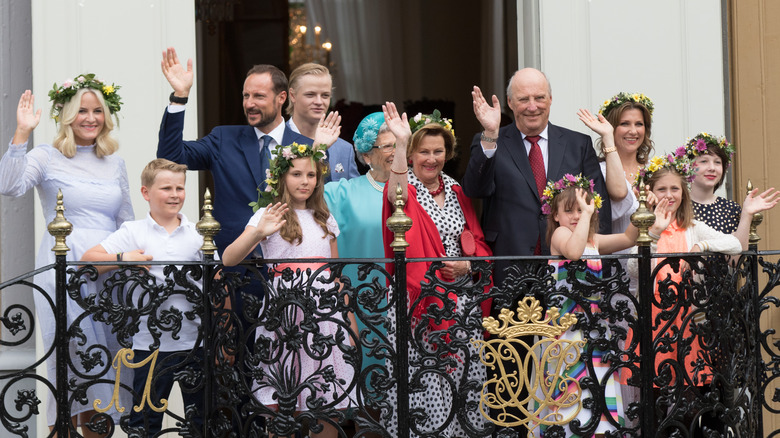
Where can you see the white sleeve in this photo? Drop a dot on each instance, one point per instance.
(126, 209)
(20, 170)
(710, 240)
(333, 226)
(121, 240)
(489, 152)
(255, 219)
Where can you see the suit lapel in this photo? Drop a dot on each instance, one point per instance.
(556, 150)
(250, 146)
(516, 148)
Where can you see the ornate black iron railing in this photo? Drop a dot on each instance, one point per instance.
(685, 354)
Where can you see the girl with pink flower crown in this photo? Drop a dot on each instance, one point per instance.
(294, 222)
(571, 207)
(711, 157)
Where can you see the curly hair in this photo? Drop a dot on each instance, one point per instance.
(65, 141)
(645, 150)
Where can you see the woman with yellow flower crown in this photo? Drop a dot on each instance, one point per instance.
(80, 162)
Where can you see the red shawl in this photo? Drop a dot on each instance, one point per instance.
(425, 242)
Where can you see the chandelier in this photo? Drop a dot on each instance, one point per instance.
(306, 45)
(212, 12)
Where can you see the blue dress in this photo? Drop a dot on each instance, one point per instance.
(96, 197)
(357, 206)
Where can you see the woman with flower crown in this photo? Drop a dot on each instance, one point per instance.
(711, 157)
(82, 163)
(444, 225)
(624, 122)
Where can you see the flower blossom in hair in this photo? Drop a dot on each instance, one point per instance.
(554, 189)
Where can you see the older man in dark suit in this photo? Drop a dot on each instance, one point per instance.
(510, 166)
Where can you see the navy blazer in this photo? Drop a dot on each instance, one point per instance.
(232, 154)
(512, 216)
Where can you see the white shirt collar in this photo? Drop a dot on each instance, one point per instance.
(183, 221)
(277, 135)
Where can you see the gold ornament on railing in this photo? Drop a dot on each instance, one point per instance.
(643, 219)
(549, 360)
(207, 226)
(754, 238)
(399, 223)
(60, 228)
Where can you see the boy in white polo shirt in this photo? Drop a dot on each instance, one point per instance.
(165, 234)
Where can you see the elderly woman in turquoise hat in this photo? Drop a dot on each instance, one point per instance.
(357, 206)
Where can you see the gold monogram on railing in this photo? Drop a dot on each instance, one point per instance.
(125, 357)
(543, 370)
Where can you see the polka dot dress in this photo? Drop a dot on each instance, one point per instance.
(433, 394)
(722, 215)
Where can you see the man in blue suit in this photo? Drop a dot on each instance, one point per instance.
(231, 153)
(311, 87)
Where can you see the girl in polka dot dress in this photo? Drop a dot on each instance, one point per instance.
(711, 157)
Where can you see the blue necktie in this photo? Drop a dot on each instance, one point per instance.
(265, 158)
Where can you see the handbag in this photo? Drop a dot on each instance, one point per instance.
(467, 243)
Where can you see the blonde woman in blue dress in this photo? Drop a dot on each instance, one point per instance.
(82, 163)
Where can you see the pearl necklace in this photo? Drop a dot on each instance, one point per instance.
(373, 182)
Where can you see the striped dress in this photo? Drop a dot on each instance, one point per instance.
(575, 370)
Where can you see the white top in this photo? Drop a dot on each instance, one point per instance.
(623, 209)
(313, 244)
(182, 245)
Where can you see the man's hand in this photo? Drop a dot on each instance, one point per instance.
(179, 78)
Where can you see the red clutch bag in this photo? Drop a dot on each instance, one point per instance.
(468, 244)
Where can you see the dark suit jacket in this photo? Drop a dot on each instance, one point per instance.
(512, 217)
(232, 154)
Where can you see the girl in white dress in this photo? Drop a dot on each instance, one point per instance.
(299, 225)
(81, 162)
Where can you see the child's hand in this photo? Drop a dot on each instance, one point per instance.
(598, 124)
(137, 256)
(587, 207)
(663, 217)
(271, 220)
(651, 201)
(328, 130)
(757, 203)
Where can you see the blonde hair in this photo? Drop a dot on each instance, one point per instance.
(291, 230)
(567, 199)
(684, 214)
(156, 166)
(309, 68)
(65, 141)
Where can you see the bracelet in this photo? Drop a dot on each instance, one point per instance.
(400, 173)
(609, 150)
(653, 235)
(119, 256)
(176, 99)
(487, 139)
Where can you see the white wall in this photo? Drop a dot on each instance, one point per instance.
(670, 50)
(122, 42)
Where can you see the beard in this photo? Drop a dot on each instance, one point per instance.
(264, 120)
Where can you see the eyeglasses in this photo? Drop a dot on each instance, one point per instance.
(385, 147)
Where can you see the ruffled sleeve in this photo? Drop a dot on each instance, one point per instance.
(125, 213)
(333, 226)
(20, 170)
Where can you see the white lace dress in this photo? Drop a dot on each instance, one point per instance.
(322, 368)
(97, 200)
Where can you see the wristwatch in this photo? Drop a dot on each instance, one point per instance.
(487, 139)
(176, 99)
